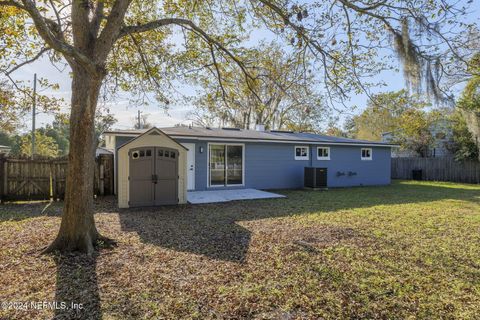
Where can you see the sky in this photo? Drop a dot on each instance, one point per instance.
(177, 114)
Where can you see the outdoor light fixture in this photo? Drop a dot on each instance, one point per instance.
(201, 149)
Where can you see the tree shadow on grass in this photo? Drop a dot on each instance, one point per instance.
(76, 294)
(190, 229)
(17, 211)
(213, 230)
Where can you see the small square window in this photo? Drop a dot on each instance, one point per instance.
(160, 153)
(172, 155)
(301, 153)
(149, 153)
(366, 154)
(167, 154)
(323, 153)
(142, 153)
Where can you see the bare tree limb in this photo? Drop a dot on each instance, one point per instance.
(190, 25)
(54, 41)
(18, 66)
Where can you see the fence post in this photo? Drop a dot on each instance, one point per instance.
(101, 182)
(3, 177)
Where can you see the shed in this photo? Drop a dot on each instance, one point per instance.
(151, 171)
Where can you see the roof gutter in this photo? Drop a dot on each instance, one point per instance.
(285, 141)
(205, 138)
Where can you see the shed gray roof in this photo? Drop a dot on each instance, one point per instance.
(242, 134)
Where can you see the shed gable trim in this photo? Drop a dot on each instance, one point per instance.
(152, 131)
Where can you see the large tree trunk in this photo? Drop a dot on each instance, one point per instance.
(77, 229)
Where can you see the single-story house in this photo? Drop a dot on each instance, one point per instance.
(101, 150)
(158, 166)
(442, 135)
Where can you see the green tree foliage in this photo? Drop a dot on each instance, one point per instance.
(414, 131)
(384, 114)
(469, 108)
(16, 103)
(406, 117)
(44, 145)
(6, 139)
(463, 145)
(59, 129)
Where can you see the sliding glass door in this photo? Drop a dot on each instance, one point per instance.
(234, 165)
(217, 165)
(226, 164)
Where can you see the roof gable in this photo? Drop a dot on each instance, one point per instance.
(152, 131)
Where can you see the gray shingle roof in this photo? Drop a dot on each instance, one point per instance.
(223, 133)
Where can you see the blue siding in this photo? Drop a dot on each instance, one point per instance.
(273, 165)
(347, 158)
(201, 172)
(119, 141)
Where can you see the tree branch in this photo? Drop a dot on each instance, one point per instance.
(11, 3)
(97, 18)
(18, 66)
(189, 25)
(111, 31)
(53, 41)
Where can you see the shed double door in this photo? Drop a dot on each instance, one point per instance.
(153, 176)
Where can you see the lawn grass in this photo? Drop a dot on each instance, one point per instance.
(410, 250)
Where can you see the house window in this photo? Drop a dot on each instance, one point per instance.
(225, 165)
(366, 153)
(323, 153)
(301, 153)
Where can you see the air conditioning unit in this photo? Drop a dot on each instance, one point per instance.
(315, 177)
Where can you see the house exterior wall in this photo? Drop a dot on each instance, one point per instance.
(347, 159)
(147, 140)
(273, 166)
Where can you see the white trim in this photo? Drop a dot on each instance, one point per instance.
(160, 132)
(191, 146)
(323, 158)
(266, 140)
(366, 158)
(307, 157)
(226, 178)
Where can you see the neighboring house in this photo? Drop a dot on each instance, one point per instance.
(151, 164)
(102, 150)
(5, 149)
(442, 134)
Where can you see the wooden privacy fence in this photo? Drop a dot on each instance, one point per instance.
(42, 179)
(437, 169)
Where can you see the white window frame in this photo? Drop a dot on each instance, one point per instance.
(307, 157)
(366, 158)
(323, 158)
(243, 165)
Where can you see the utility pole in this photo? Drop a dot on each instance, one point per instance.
(34, 112)
(139, 121)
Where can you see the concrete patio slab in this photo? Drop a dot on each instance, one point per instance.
(212, 196)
